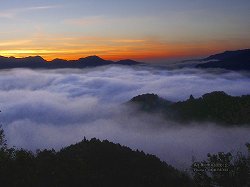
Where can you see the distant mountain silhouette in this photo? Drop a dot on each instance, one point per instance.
(212, 107)
(128, 62)
(39, 62)
(231, 60)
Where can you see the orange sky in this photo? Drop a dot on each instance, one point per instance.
(121, 30)
(112, 49)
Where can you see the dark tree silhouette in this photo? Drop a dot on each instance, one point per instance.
(216, 107)
(3, 142)
(90, 163)
(223, 169)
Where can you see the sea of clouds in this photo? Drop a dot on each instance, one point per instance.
(55, 108)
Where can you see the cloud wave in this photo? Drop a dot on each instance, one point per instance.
(54, 108)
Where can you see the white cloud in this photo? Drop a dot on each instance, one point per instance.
(54, 108)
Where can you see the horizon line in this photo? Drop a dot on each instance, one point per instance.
(119, 59)
(40, 56)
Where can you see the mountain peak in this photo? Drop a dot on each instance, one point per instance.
(217, 106)
(127, 62)
(39, 62)
(34, 58)
(231, 60)
(150, 102)
(94, 61)
(93, 57)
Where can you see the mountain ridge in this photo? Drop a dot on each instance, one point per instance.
(39, 62)
(217, 107)
(89, 163)
(231, 60)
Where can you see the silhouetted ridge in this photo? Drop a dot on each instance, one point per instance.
(150, 102)
(229, 54)
(214, 107)
(128, 62)
(37, 59)
(39, 62)
(94, 61)
(232, 60)
(58, 60)
(91, 163)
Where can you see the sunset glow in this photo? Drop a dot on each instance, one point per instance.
(123, 29)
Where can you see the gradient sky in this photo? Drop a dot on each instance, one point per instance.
(117, 29)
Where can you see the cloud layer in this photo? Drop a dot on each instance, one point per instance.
(54, 108)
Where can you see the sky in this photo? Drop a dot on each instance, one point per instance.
(118, 29)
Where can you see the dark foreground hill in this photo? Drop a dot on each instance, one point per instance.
(212, 107)
(231, 60)
(87, 164)
(39, 62)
